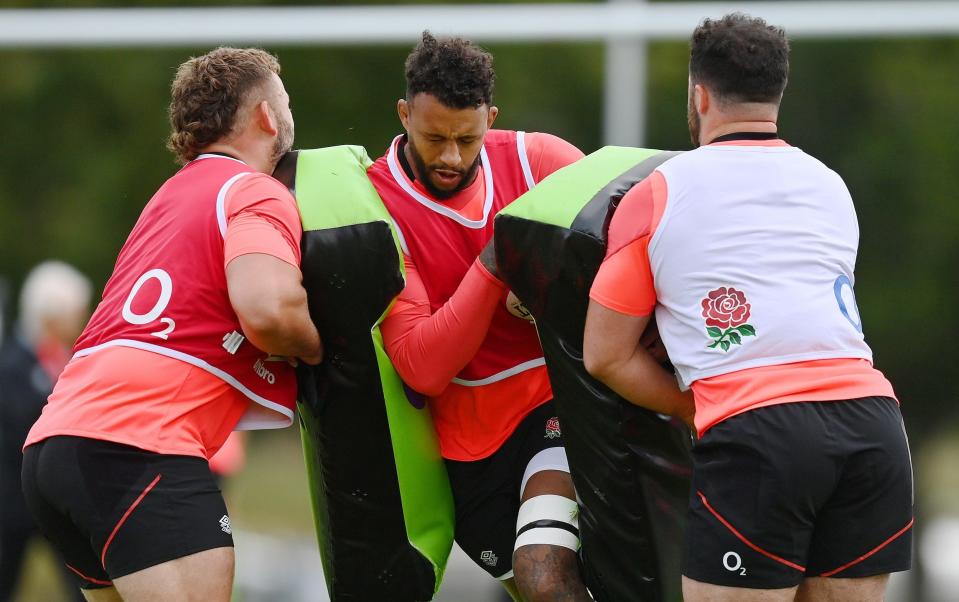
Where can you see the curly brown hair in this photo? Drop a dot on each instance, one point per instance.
(743, 59)
(206, 93)
(456, 71)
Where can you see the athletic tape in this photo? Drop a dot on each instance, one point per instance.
(548, 507)
(548, 536)
(550, 520)
(551, 458)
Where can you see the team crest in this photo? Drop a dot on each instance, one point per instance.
(552, 428)
(726, 312)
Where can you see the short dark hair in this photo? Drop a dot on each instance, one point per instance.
(206, 93)
(456, 71)
(741, 58)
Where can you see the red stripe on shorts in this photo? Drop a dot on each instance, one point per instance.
(743, 539)
(103, 555)
(89, 579)
(870, 552)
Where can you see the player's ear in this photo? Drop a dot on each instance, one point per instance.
(403, 111)
(264, 118)
(702, 98)
(491, 117)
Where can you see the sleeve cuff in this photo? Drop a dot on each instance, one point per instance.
(481, 269)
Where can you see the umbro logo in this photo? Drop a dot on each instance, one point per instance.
(225, 525)
(489, 558)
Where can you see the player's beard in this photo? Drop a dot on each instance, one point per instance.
(284, 140)
(692, 119)
(424, 171)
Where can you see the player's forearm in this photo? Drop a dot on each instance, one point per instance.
(286, 330)
(640, 379)
(271, 304)
(429, 350)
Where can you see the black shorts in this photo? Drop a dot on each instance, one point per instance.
(814, 489)
(113, 509)
(486, 493)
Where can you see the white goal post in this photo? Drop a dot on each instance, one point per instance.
(624, 25)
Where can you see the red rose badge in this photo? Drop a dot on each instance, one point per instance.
(727, 311)
(552, 428)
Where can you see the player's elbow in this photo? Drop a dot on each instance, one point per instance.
(269, 318)
(430, 389)
(262, 319)
(599, 365)
(268, 299)
(593, 365)
(428, 384)
(415, 364)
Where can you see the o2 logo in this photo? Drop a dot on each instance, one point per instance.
(846, 298)
(733, 562)
(166, 291)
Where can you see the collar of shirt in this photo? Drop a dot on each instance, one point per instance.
(745, 136)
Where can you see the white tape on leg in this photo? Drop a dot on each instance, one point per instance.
(551, 458)
(549, 536)
(548, 520)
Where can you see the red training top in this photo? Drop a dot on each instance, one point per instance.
(449, 333)
(158, 366)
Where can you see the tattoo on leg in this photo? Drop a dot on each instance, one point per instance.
(546, 573)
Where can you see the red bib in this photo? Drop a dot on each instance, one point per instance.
(168, 292)
(443, 244)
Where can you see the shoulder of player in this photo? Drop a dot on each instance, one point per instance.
(551, 148)
(262, 185)
(255, 188)
(380, 163)
(636, 213)
(535, 142)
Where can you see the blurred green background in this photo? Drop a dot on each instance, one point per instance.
(83, 150)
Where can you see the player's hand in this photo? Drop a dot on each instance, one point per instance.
(488, 259)
(312, 360)
(516, 307)
(653, 343)
(315, 357)
(282, 358)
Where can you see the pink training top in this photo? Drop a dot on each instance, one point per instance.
(625, 284)
(430, 343)
(158, 403)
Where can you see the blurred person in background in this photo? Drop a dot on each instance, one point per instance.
(54, 306)
(230, 458)
(4, 293)
(189, 342)
(450, 334)
(745, 248)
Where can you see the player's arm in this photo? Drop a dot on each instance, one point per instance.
(547, 153)
(268, 297)
(618, 345)
(429, 349)
(262, 257)
(613, 354)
